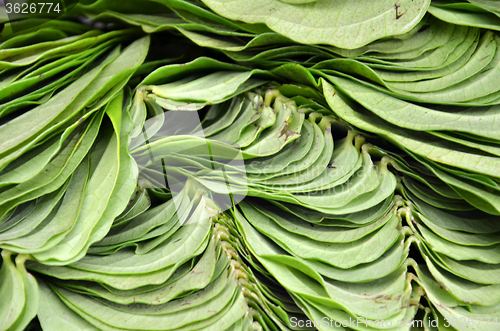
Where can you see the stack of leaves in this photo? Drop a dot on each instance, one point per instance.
(59, 173)
(336, 229)
(351, 274)
(457, 154)
(262, 30)
(335, 168)
(66, 172)
(451, 188)
(288, 157)
(37, 62)
(459, 73)
(19, 293)
(328, 188)
(460, 276)
(173, 267)
(458, 243)
(478, 13)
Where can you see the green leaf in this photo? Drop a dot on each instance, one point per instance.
(47, 114)
(212, 88)
(427, 147)
(325, 22)
(54, 314)
(464, 290)
(52, 230)
(470, 18)
(46, 208)
(32, 297)
(343, 255)
(12, 291)
(79, 153)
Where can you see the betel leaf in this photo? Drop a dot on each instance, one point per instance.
(425, 146)
(32, 296)
(57, 105)
(344, 24)
(12, 291)
(329, 146)
(463, 17)
(53, 313)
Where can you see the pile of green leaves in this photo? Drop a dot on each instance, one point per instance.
(251, 165)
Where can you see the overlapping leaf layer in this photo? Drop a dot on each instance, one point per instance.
(265, 165)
